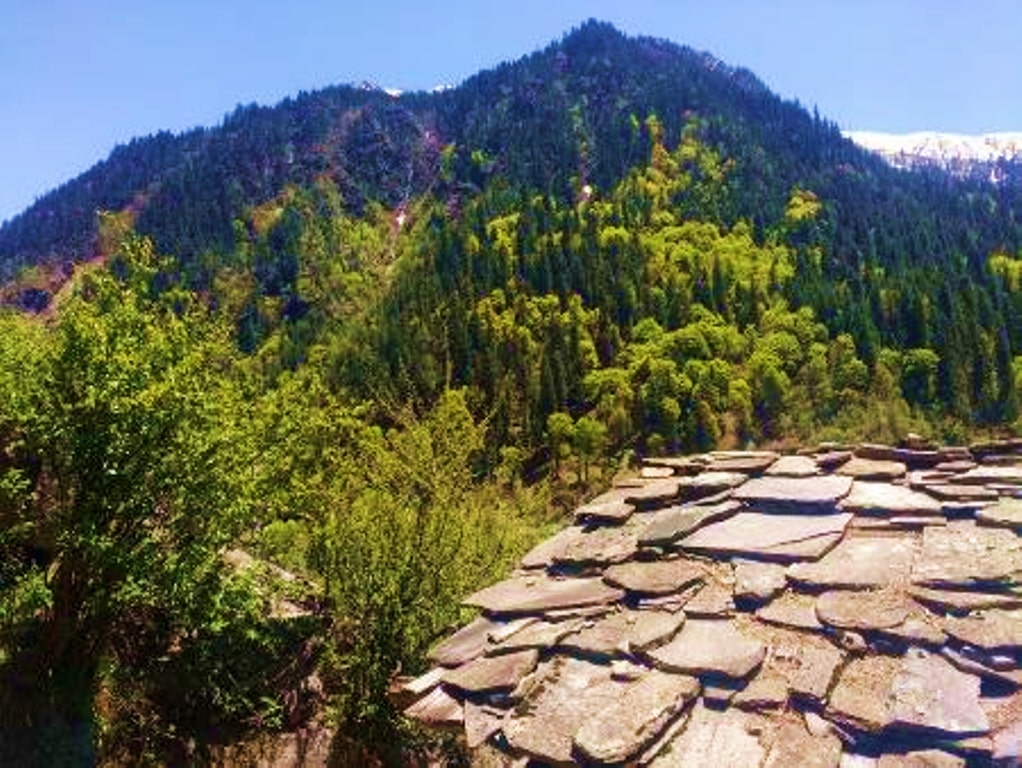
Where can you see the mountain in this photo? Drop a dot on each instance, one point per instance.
(996, 157)
(564, 116)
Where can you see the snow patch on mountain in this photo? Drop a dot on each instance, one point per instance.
(959, 154)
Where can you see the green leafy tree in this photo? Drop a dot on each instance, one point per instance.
(589, 437)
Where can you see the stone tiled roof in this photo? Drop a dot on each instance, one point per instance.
(751, 609)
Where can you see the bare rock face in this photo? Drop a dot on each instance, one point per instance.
(706, 646)
(638, 713)
(794, 494)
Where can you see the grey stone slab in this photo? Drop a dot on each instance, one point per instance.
(793, 494)
(652, 473)
(481, 722)
(624, 632)
(887, 499)
(724, 739)
(860, 697)
(769, 536)
(872, 469)
(566, 692)
(985, 475)
(793, 745)
(670, 524)
(538, 594)
(911, 457)
(1011, 678)
(437, 709)
(793, 610)
(758, 581)
(1007, 513)
(706, 646)
(964, 555)
(918, 629)
(709, 483)
(860, 562)
(713, 601)
(807, 662)
(1007, 744)
(469, 642)
(639, 712)
(585, 545)
(654, 492)
(767, 691)
(961, 492)
(793, 466)
(679, 465)
(746, 462)
(867, 610)
(830, 460)
(539, 635)
(491, 674)
(921, 758)
(963, 600)
(929, 693)
(656, 577)
(992, 630)
(606, 511)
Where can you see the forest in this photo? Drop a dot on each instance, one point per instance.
(295, 390)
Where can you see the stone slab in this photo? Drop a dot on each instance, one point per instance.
(769, 536)
(640, 710)
(713, 601)
(566, 692)
(863, 611)
(963, 555)
(655, 577)
(793, 610)
(929, 693)
(491, 674)
(470, 641)
(670, 524)
(481, 722)
(921, 758)
(729, 738)
(582, 545)
(793, 494)
(860, 562)
(886, 499)
(654, 492)
(1007, 513)
(961, 492)
(608, 511)
(437, 709)
(859, 699)
(793, 466)
(757, 581)
(624, 632)
(872, 469)
(708, 483)
(992, 630)
(539, 635)
(746, 462)
(964, 601)
(536, 594)
(985, 475)
(707, 646)
(794, 745)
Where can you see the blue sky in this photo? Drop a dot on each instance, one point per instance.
(78, 77)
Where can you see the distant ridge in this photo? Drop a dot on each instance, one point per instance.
(962, 155)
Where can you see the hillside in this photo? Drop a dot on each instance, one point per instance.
(332, 365)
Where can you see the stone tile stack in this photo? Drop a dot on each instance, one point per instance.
(838, 607)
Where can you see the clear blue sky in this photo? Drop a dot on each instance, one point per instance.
(78, 77)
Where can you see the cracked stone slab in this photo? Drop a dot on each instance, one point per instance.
(794, 494)
(709, 646)
(718, 738)
(670, 524)
(870, 610)
(492, 674)
(862, 468)
(930, 693)
(566, 692)
(806, 662)
(767, 691)
(437, 709)
(860, 562)
(713, 601)
(888, 500)
(624, 632)
(963, 555)
(709, 483)
(539, 635)
(639, 712)
(860, 697)
(537, 594)
(655, 577)
(794, 745)
(780, 537)
(472, 640)
(481, 722)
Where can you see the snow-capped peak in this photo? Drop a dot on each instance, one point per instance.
(959, 154)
